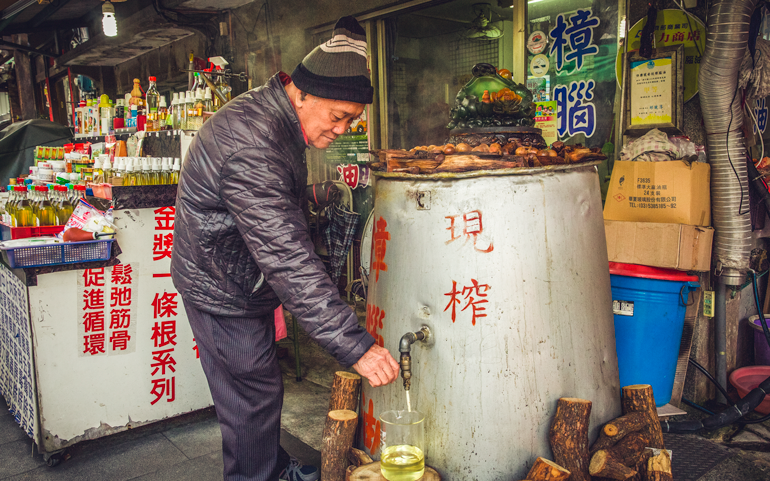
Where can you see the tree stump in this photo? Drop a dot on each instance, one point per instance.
(603, 465)
(659, 467)
(338, 433)
(617, 429)
(569, 436)
(641, 466)
(371, 472)
(545, 470)
(638, 398)
(346, 389)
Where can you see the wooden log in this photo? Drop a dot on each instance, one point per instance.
(629, 450)
(569, 436)
(338, 433)
(641, 466)
(659, 467)
(545, 470)
(358, 457)
(603, 465)
(346, 388)
(615, 430)
(638, 398)
(371, 472)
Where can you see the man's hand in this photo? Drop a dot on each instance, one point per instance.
(377, 366)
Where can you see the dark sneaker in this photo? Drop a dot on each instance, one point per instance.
(295, 471)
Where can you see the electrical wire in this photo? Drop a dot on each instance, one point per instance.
(727, 144)
(689, 25)
(711, 378)
(697, 406)
(256, 20)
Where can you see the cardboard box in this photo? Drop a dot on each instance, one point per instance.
(673, 246)
(675, 192)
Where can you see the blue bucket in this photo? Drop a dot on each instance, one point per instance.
(649, 306)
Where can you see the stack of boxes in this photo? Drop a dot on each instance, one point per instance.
(659, 214)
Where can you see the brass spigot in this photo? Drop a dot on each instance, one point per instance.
(405, 347)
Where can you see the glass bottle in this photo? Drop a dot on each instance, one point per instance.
(9, 206)
(47, 212)
(153, 107)
(64, 205)
(25, 217)
(189, 104)
(136, 98)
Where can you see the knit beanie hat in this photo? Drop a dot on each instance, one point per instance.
(337, 69)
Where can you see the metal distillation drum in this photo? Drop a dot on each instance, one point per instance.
(509, 271)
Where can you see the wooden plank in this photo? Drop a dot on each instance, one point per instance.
(24, 82)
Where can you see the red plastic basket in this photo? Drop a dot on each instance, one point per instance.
(11, 233)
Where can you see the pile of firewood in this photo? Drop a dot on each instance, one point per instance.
(628, 448)
(461, 158)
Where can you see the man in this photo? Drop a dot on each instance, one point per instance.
(241, 247)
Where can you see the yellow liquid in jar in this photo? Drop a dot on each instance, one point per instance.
(402, 463)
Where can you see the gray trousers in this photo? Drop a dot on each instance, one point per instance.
(239, 359)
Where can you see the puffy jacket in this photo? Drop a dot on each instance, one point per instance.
(241, 241)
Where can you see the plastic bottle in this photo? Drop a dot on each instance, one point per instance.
(175, 171)
(155, 174)
(145, 175)
(107, 169)
(208, 104)
(105, 115)
(46, 210)
(8, 206)
(165, 174)
(189, 104)
(130, 178)
(25, 217)
(98, 171)
(80, 193)
(119, 171)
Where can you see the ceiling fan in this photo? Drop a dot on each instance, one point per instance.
(481, 27)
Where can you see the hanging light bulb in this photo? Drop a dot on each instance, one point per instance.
(109, 24)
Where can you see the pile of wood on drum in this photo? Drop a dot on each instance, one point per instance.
(496, 155)
(628, 448)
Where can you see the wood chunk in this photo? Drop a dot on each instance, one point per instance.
(639, 398)
(615, 430)
(545, 470)
(358, 457)
(641, 466)
(569, 436)
(659, 467)
(338, 433)
(629, 450)
(371, 472)
(346, 388)
(603, 465)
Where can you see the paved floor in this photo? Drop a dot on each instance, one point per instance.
(189, 447)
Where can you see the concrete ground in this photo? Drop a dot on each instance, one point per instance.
(189, 447)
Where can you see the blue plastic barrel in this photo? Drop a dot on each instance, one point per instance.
(649, 305)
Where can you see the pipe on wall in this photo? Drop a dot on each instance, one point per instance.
(726, 42)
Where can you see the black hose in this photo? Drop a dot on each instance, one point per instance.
(697, 406)
(708, 375)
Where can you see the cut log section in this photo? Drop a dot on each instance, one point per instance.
(371, 472)
(545, 470)
(358, 457)
(603, 465)
(638, 398)
(338, 433)
(659, 467)
(629, 450)
(346, 388)
(569, 436)
(617, 429)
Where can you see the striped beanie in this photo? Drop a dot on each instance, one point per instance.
(338, 69)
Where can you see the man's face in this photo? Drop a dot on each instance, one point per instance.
(324, 119)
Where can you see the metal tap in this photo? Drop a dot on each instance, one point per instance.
(405, 347)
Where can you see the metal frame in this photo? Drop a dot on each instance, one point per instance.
(677, 91)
